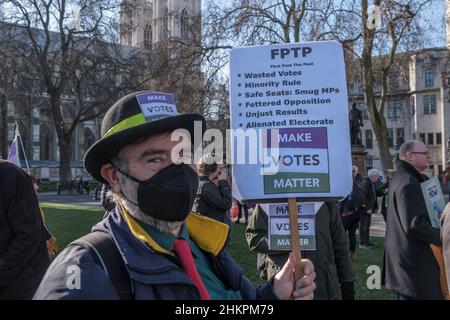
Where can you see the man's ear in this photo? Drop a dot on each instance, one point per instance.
(407, 157)
(109, 173)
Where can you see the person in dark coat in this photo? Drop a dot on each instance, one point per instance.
(23, 251)
(213, 197)
(410, 268)
(151, 246)
(370, 203)
(350, 209)
(382, 191)
(445, 232)
(335, 276)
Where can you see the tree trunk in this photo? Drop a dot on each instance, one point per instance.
(377, 119)
(64, 139)
(380, 130)
(65, 156)
(4, 126)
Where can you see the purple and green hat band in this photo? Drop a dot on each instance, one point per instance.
(131, 122)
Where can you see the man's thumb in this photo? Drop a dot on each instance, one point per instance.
(288, 268)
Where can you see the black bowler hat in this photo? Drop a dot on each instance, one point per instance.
(136, 116)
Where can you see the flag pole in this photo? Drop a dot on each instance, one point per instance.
(23, 149)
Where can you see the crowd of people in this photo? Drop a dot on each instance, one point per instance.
(79, 186)
(413, 259)
(167, 228)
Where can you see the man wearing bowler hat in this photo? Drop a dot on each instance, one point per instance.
(151, 246)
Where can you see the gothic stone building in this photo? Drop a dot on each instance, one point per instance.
(143, 23)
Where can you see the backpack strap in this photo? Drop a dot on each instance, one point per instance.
(105, 253)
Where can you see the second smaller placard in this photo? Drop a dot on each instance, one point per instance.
(279, 228)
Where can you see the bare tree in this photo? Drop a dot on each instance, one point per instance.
(256, 22)
(8, 81)
(377, 50)
(250, 22)
(174, 66)
(399, 31)
(18, 81)
(69, 41)
(106, 72)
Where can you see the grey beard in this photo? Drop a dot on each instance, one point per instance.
(130, 191)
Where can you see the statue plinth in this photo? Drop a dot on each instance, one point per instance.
(359, 156)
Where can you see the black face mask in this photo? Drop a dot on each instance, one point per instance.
(169, 194)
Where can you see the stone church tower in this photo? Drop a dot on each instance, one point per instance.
(171, 30)
(447, 23)
(146, 22)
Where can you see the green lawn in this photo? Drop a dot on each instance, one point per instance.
(69, 222)
(247, 260)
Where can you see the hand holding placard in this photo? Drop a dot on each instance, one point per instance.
(285, 286)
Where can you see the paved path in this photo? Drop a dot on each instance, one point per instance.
(377, 228)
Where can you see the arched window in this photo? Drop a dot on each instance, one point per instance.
(130, 39)
(369, 139)
(35, 134)
(184, 24)
(36, 113)
(394, 110)
(400, 138)
(89, 139)
(165, 24)
(148, 35)
(46, 142)
(390, 137)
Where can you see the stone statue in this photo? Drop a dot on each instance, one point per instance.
(356, 122)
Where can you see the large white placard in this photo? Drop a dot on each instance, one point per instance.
(290, 124)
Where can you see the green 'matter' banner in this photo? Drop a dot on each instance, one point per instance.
(279, 242)
(290, 182)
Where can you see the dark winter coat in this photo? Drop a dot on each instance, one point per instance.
(370, 194)
(409, 265)
(155, 275)
(332, 264)
(354, 202)
(214, 201)
(23, 251)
